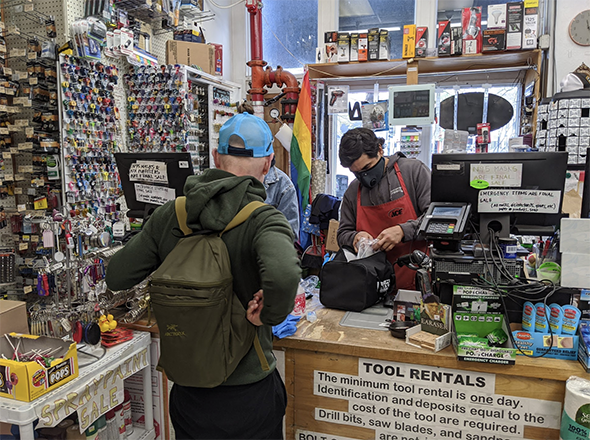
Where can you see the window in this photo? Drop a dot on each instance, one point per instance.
(499, 137)
(295, 24)
(361, 15)
(341, 124)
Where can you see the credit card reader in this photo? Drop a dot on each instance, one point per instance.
(444, 224)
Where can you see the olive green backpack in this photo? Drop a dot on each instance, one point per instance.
(204, 333)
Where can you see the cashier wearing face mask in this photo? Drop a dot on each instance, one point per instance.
(386, 200)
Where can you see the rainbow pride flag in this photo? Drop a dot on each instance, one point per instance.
(301, 146)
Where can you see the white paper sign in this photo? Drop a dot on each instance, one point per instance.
(148, 171)
(154, 195)
(518, 200)
(497, 174)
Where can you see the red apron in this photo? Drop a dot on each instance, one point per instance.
(374, 219)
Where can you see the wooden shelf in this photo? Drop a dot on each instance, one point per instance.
(491, 60)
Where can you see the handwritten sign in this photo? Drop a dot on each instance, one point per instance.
(498, 174)
(155, 195)
(148, 171)
(517, 200)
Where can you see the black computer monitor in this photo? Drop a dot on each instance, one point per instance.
(454, 180)
(151, 179)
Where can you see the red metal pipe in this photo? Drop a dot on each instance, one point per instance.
(266, 78)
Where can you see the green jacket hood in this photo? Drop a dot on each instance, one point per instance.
(216, 196)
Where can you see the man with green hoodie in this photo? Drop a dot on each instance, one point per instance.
(251, 403)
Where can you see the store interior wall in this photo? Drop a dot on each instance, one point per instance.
(568, 55)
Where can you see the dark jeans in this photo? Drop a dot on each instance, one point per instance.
(253, 411)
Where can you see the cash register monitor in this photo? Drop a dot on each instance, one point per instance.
(151, 179)
(503, 206)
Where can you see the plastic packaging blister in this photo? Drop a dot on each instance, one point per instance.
(365, 247)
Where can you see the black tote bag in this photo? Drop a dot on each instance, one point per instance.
(356, 285)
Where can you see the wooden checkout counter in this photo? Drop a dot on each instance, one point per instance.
(469, 400)
(349, 383)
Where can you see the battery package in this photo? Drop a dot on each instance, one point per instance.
(472, 32)
(354, 46)
(363, 47)
(343, 47)
(456, 41)
(331, 47)
(497, 16)
(514, 18)
(444, 38)
(409, 42)
(383, 44)
(373, 40)
(421, 41)
(530, 27)
(494, 40)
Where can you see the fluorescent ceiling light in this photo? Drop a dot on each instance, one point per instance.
(355, 8)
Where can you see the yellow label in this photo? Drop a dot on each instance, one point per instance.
(41, 203)
(531, 3)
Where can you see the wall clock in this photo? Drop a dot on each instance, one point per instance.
(579, 28)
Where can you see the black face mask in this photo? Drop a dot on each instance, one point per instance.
(371, 177)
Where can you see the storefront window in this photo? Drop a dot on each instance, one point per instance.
(361, 15)
(295, 24)
(499, 137)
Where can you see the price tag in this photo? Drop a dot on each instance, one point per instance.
(28, 289)
(25, 169)
(10, 92)
(8, 177)
(29, 261)
(6, 155)
(3, 49)
(29, 131)
(26, 237)
(18, 52)
(27, 103)
(7, 71)
(32, 55)
(25, 146)
(13, 150)
(2, 89)
(22, 74)
(4, 130)
(18, 190)
(1, 25)
(23, 246)
(56, 266)
(35, 238)
(33, 81)
(30, 7)
(21, 122)
(19, 177)
(31, 191)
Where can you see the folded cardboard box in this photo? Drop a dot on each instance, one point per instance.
(13, 317)
(191, 54)
(27, 381)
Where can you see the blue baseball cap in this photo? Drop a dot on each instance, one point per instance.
(252, 130)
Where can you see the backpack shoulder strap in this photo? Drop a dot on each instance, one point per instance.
(243, 215)
(180, 207)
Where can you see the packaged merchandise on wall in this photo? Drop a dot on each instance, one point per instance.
(363, 47)
(373, 42)
(530, 27)
(409, 41)
(354, 46)
(472, 31)
(497, 16)
(421, 41)
(494, 40)
(330, 47)
(514, 19)
(444, 38)
(343, 47)
(383, 44)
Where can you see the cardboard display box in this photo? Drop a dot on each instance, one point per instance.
(514, 19)
(409, 43)
(472, 32)
(444, 38)
(560, 346)
(182, 52)
(421, 41)
(416, 337)
(354, 46)
(494, 40)
(331, 239)
(13, 317)
(343, 47)
(373, 41)
(26, 381)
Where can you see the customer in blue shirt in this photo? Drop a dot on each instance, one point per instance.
(280, 193)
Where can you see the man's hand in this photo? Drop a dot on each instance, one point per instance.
(389, 238)
(254, 308)
(358, 236)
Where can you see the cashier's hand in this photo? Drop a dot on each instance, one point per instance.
(389, 238)
(358, 236)
(254, 308)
